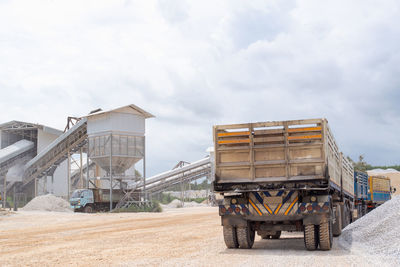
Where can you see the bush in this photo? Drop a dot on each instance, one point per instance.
(166, 198)
(150, 207)
(198, 200)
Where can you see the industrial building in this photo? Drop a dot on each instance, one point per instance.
(98, 150)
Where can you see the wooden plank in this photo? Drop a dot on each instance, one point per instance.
(233, 148)
(269, 124)
(234, 164)
(270, 162)
(237, 141)
(233, 134)
(317, 136)
(268, 139)
(271, 131)
(307, 129)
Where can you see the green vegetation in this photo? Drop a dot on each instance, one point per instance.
(396, 167)
(151, 207)
(198, 200)
(204, 185)
(362, 165)
(166, 198)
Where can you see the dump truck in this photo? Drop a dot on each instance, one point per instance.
(379, 191)
(281, 176)
(92, 200)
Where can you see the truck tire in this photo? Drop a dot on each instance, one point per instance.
(346, 215)
(88, 209)
(310, 237)
(245, 236)
(277, 235)
(325, 235)
(230, 237)
(337, 226)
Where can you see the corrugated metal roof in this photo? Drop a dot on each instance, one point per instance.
(20, 125)
(15, 149)
(128, 108)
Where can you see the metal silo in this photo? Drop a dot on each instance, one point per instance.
(117, 140)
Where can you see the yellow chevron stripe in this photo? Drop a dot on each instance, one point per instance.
(278, 208)
(291, 205)
(269, 210)
(255, 207)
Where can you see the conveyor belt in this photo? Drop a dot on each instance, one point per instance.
(46, 162)
(162, 181)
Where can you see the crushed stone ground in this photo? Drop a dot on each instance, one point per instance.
(48, 202)
(377, 233)
(177, 237)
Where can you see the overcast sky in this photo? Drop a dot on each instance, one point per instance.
(194, 64)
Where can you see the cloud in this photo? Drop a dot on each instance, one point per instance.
(195, 64)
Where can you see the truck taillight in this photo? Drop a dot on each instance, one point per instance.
(302, 208)
(310, 208)
(230, 210)
(326, 207)
(223, 210)
(237, 209)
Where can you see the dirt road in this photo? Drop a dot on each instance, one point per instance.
(187, 236)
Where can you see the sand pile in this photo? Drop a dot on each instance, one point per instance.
(377, 233)
(48, 203)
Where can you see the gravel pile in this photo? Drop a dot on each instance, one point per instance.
(48, 203)
(176, 203)
(377, 233)
(189, 193)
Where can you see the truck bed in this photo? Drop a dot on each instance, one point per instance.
(280, 152)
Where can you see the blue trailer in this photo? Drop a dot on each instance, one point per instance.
(360, 192)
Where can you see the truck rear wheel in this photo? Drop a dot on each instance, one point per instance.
(277, 235)
(245, 236)
(337, 226)
(310, 237)
(230, 237)
(325, 235)
(88, 209)
(346, 215)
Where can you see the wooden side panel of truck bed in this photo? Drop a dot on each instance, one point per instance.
(277, 151)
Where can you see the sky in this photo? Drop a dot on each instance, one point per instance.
(194, 64)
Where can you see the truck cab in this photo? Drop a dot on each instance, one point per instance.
(82, 200)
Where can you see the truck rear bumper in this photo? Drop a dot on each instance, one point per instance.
(275, 206)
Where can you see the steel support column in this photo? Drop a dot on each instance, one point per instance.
(4, 192)
(144, 168)
(87, 166)
(111, 178)
(69, 175)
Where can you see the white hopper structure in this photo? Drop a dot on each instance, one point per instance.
(117, 141)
